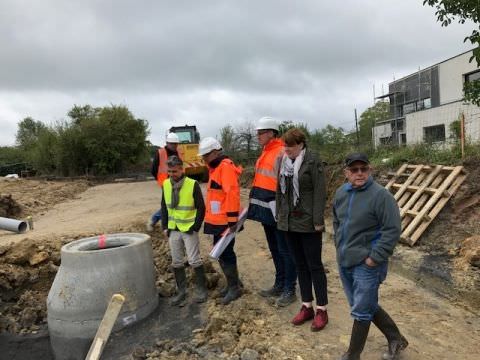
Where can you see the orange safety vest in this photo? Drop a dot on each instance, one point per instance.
(162, 173)
(223, 194)
(268, 164)
(262, 195)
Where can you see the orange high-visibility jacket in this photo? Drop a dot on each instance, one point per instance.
(265, 182)
(223, 197)
(162, 173)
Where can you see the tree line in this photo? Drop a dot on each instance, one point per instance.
(91, 141)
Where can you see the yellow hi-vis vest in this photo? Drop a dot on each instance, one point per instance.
(183, 216)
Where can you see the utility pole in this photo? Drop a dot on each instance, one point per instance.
(462, 134)
(356, 126)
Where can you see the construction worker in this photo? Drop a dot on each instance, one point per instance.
(261, 208)
(222, 209)
(183, 211)
(159, 169)
(366, 224)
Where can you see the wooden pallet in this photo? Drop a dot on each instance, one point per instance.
(421, 192)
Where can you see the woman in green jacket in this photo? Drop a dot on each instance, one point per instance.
(300, 200)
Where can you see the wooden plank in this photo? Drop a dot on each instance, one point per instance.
(433, 200)
(414, 188)
(428, 168)
(415, 214)
(106, 326)
(425, 197)
(436, 210)
(399, 172)
(421, 189)
(407, 195)
(410, 180)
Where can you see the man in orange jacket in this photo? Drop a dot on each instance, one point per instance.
(262, 207)
(222, 209)
(160, 168)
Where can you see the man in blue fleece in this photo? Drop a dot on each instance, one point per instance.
(367, 226)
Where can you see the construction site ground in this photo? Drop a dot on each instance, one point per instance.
(432, 291)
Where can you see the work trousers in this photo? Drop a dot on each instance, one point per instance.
(228, 256)
(156, 217)
(361, 284)
(182, 242)
(285, 272)
(307, 255)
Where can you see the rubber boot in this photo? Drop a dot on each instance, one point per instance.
(396, 341)
(201, 289)
(181, 280)
(357, 340)
(223, 291)
(233, 283)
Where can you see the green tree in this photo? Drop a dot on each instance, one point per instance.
(28, 132)
(368, 119)
(227, 139)
(463, 10)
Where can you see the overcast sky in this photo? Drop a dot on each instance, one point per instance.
(212, 63)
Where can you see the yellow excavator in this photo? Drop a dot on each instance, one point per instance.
(193, 164)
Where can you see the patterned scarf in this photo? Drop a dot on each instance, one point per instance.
(289, 168)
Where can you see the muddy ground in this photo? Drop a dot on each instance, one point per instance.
(437, 327)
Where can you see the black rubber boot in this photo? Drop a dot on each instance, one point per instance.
(181, 280)
(223, 291)
(357, 340)
(234, 290)
(396, 341)
(201, 289)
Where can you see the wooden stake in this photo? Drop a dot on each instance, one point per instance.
(105, 327)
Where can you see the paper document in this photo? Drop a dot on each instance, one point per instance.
(273, 207)
(228, 236)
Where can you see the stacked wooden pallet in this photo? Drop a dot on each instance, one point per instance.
(421, 192)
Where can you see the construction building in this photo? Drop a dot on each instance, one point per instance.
(425, 103)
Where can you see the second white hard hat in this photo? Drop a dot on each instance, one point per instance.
(207, 145)
(267, 123)
(172, 138)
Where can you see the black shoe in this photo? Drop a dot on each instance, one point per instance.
(274, 291)
(288, 297)
(357, 340)
(181, 280)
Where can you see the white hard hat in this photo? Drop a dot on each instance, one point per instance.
(267, 123)
(172, 138)
(207, 145)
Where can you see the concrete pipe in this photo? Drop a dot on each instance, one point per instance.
(17, 226)
(91, 271)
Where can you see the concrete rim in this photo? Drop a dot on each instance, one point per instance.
(90, 245)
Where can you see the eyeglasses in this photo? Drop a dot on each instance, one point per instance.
(362, 169)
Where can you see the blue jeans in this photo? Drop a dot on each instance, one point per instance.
(156, 217)
(361, 283)
(285, 272)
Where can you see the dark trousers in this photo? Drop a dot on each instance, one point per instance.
(307, 254)
(285, 272)
(228, 256)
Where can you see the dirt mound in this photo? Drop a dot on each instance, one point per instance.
(36, 196)
(26, 273)
(470, 252)
(9, 208)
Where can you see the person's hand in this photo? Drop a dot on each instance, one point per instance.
(319, 228)
(165, 232)
(369, 262)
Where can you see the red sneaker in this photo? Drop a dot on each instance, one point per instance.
(305, 314)
(320, 320)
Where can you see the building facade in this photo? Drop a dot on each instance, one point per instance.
(425, 103)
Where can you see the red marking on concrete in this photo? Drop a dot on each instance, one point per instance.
(102, 239)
